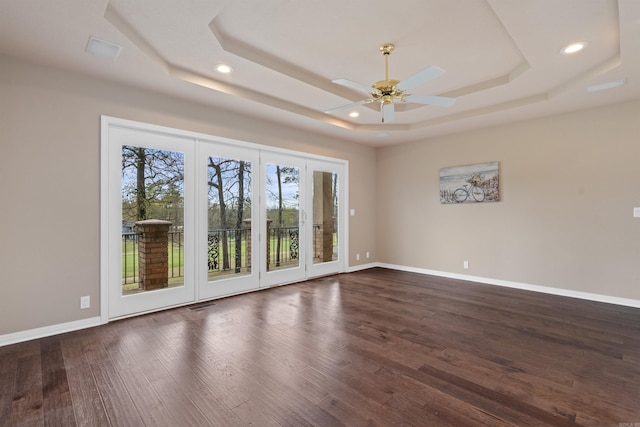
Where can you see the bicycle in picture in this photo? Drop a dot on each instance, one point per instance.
(472, 189)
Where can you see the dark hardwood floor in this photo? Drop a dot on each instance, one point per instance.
(375, 347)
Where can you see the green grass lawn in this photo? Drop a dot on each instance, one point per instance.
(130, 260)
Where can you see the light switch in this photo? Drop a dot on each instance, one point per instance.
(352, 212)
(636, 212)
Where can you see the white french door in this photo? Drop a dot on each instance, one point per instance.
(149, 175)
(283, 220)
(228, 219)
(326, 217)
(235, 217)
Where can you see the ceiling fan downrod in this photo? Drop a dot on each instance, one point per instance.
(386, 90)
(385, 86)
(386, 50)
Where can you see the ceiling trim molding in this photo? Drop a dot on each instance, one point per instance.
(113, 17)
(592, 73)
(204, 81)
(514, 103)
(250, 53)
(490, 83)
(242, 49)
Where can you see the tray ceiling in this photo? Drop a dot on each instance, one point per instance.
(501, 57)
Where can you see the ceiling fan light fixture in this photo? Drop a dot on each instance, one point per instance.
(573, 48)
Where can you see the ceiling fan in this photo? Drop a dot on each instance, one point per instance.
(388, 90)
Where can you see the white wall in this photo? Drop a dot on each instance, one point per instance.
(568, 185)
(50, 172)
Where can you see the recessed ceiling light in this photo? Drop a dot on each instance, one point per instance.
(103, 48)
(605, 86)
(354, 114)
(223, 68)
(573, 48)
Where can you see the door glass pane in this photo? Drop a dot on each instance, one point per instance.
(152, 219)
(325, 217)
(229, 218)
(283, 212)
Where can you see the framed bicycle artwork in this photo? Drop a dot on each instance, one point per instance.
(479, 183)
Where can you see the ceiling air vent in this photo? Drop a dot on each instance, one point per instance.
(103, 48)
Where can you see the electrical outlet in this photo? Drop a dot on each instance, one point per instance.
(85, 302)
(636, 212)
(367, 255)
(465, 264)
(357, 257)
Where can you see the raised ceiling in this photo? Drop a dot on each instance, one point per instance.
(501, 57)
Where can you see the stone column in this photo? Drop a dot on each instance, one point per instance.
(247, 231)
(327, 217)
(268, 240)
(323, 214)
(247, 225)
(153, 253)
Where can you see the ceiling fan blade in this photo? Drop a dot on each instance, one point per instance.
(355, 85)
(440, 101)
(421, 77)
(345, 107)
(388, 112)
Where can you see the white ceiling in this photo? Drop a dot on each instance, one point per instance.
(501, 57)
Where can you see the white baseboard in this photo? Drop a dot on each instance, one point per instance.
(353, 268)
(517, 285)
(47, 331)
(62, 328)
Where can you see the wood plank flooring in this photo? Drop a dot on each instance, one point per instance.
(372, 348)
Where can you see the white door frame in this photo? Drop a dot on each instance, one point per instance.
(117, 304)
(193, 145)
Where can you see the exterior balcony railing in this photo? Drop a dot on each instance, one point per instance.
(228, 251)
